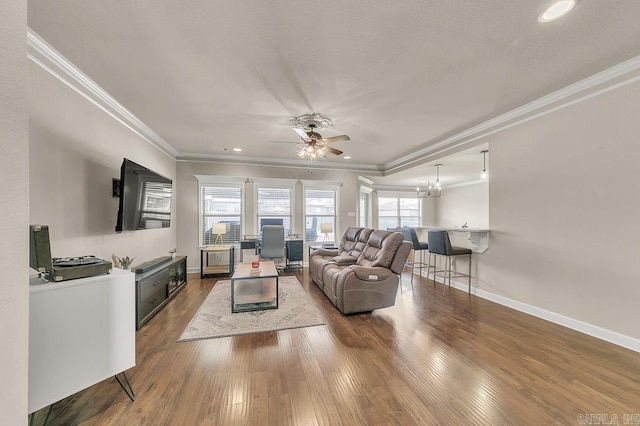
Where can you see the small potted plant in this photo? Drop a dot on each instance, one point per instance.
(122, 262)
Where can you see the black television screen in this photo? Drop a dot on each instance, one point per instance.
(145, 198)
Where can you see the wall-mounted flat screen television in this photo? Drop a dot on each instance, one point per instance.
(145, 198)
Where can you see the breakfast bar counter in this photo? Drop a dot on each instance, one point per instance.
(476, 239)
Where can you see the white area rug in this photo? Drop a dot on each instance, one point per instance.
(214, 318)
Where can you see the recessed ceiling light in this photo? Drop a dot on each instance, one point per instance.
(556, 10)
(348, 157)
(237, 149)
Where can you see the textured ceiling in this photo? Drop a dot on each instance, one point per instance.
(397, 77)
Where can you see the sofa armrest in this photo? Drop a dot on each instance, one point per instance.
(343, 260)
(397, 265)
(325, 252)
(371, 273)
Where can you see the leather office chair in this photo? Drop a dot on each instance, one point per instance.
(417, 246)
(440, 245)
(272, 246)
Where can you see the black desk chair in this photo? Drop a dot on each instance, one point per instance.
(440, 245)
(411, 236)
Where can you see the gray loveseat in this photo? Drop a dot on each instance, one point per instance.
(363, 273)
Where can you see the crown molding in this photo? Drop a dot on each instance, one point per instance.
(49, 59)
(231, 180)
(365, 180)
(276, 162)
(395, 188)
(594, 85)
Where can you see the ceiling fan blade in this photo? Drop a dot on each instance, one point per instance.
(333, 150)
(301, 133)
(296, 142)
(336, 139)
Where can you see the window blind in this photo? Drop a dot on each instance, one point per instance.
(221, 204)
(320, 208)
(275, 203)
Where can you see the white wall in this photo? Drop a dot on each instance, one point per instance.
(463, 204)
(75, 151)
(187, 200)
(14, 191)
(564, 209)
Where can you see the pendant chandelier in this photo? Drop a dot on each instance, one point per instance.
(432, 190)
(483, 174)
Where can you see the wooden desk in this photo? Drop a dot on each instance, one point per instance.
(206, 269)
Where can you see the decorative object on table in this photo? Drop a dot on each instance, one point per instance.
(122, 262)
(60, 268)
(172, 252)
(465, 226)
(326, 229)
(219, 229)
(214, 318)
(255, 268)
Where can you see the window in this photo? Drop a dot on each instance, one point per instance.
(220, 203)
(364, 202)
(276, 204)
(395, 212)
(320, 214)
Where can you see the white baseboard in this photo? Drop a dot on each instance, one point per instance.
(574, 324)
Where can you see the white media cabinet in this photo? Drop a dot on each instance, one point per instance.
(81, 332)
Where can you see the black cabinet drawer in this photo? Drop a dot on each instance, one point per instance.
(151, 302)
(150, 285)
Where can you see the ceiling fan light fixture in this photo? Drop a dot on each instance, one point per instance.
(312, 152)
(314, 145)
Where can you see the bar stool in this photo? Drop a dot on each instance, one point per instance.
(440, 244)
(411, 236)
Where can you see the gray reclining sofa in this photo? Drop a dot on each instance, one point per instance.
(363, 273)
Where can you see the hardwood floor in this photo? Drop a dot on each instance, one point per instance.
(429, 359)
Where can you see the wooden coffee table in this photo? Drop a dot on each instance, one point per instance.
(254, 289)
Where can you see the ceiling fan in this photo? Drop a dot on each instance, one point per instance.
(312, 143)
(316, 144)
